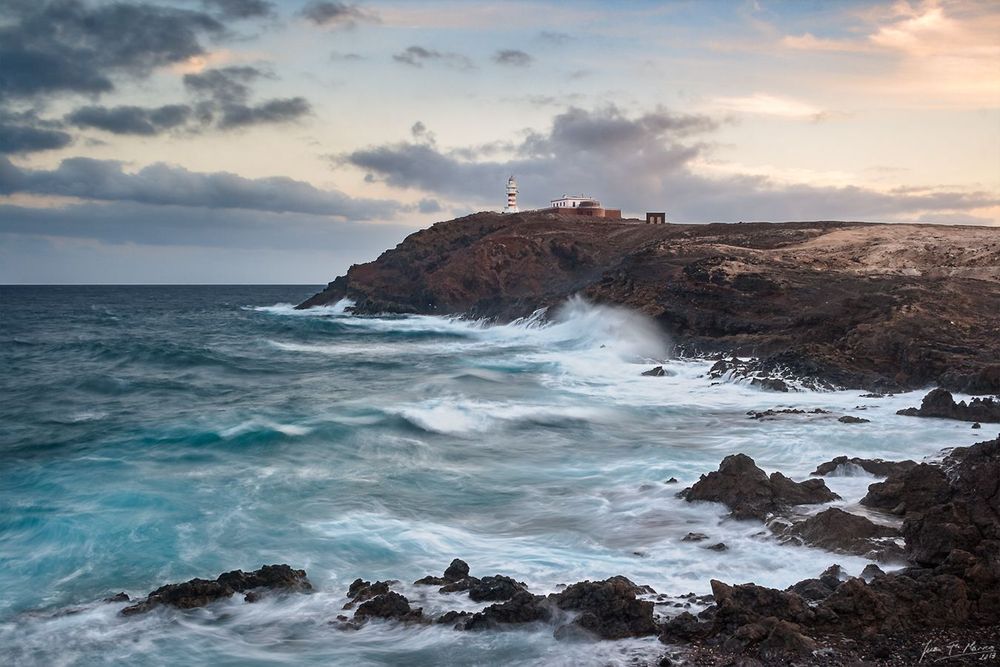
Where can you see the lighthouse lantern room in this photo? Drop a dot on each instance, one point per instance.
(511, 206)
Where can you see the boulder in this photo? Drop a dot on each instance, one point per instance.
(200, 592)
(770, 384)
(523, 607)
(940, 403)
(389, 605)
(655, 372)
(497, 587)
(837, 530)
(851, 419)
(608, 609)
(750, 493)
(457, 571)
(913, 490)
(877, 467)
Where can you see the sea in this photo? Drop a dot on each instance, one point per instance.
(152, 434)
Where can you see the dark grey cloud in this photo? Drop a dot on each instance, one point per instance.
(637, 163)
(340, 14)
(131, 119)
(272, 111)
(512, 58)
(240, 9)
(168, 185)
(337, 56)
(417, 56)
(428, 205)
(225, 94)
(24, 132)
(554, 37)
(134, 222)
(226, 85)
(60, 46)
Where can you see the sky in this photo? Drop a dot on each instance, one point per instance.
(267, 141)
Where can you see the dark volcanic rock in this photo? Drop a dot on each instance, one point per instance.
(389, 605)
(850, 419)
(811, 299)
(457, 571)
(694, 537)
(876, 467)
(913, 490)
(200, 592)
(837, 530)
(750, 493)
(770, 384)
(359, 591)
(118, 597)
(952, 533)
(497, 587)
(609, 608)
(523, 607)
(939, 403)
(655, 372)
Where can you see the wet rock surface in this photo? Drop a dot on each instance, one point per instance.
(940, 403)
(609, 609)
(836, 530)
(951, 589)
(200, 592)
(877, 467)
(751, 494)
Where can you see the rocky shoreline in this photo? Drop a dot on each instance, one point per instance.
(879, 307)
(942, 606)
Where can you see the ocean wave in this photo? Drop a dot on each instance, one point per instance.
(462, 416)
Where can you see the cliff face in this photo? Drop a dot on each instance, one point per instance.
(862, 305)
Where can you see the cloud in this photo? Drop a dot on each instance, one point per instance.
(337, 14)
(24, 132)
(416, 56)
(645, 162)
(768, 105)
(512, 58)
(932, 52)
(131, 119)
(337, 56)
(70, 46)
(168, 185)
(553, 37)
(240, 9)
(225, 93)
(428, 205)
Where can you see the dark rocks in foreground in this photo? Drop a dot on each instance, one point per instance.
(952, 534)
(940, 403)
(751, 494)
(200, 592)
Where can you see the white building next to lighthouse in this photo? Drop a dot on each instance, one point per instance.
(511, 206)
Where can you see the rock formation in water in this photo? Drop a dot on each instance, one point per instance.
(200, 592)
(878, 306)
(940, 403)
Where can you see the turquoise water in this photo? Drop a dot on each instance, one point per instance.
(154, 434)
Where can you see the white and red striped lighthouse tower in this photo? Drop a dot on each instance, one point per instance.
(511, 206)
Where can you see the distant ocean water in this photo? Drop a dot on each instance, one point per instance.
(154, 434)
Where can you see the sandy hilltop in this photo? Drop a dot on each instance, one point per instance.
(851, 304)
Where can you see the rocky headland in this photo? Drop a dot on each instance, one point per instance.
(882, 307)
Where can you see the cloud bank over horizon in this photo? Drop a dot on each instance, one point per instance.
(245, 129)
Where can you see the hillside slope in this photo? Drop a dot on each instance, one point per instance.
(857, 304)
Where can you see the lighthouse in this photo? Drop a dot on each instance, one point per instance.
(511, 206)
